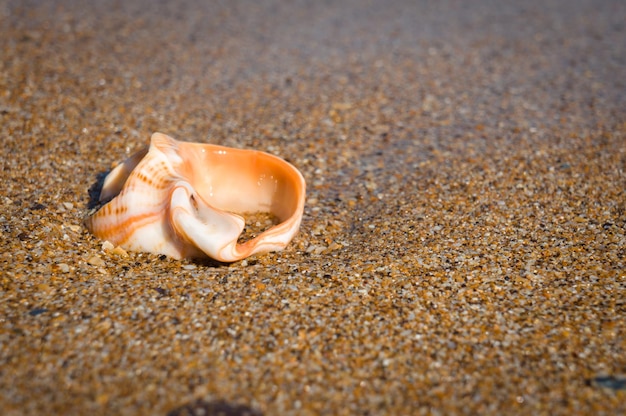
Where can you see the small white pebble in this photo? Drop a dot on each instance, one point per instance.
(75, 228)
(119, 251)
(316, 249)
(96, 261)
(319, 229)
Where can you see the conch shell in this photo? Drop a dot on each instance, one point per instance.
(183, 200)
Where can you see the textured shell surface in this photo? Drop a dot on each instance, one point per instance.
(186, 200)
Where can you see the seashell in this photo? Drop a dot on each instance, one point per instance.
(186, 200)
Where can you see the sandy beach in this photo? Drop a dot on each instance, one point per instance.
(463, 243)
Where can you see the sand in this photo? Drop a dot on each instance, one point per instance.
(463, 243)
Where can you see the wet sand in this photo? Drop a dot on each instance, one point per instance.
(463, 245)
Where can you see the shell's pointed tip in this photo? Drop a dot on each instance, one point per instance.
(163, 141)
(157, 135)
